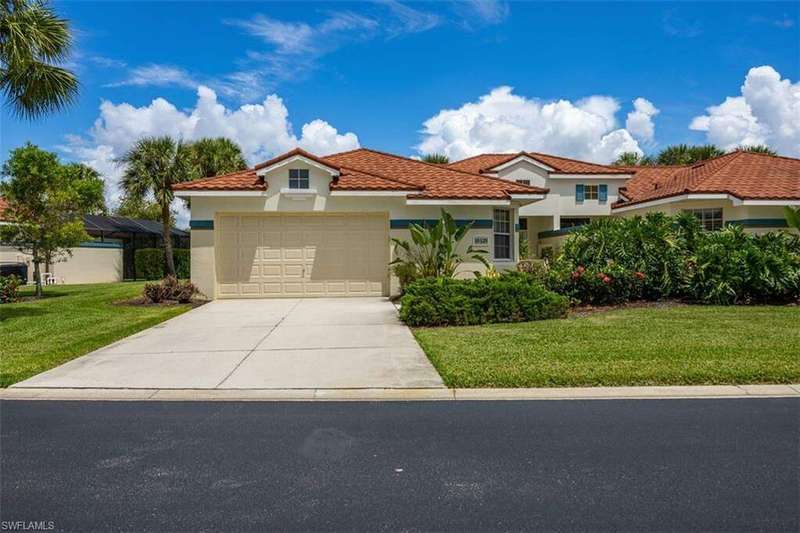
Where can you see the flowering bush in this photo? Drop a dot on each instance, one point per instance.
(598, 286)
(9, 286)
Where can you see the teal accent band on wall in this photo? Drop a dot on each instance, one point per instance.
(403, 223)
(556, 232)
(98, 244)
(759, 223)
(201, 224)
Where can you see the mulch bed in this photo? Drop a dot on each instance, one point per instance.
(142, 302)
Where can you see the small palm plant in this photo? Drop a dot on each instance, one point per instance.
(433, 252)
(792, 215)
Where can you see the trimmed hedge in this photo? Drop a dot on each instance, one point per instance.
(149, 263)
(511, 297)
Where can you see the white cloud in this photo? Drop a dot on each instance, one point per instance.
(640, 121)
(767, 112)
(262, 130)
(157, 76)
(502, 121)
(483, 12)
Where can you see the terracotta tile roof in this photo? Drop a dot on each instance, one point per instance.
(3, 207)
(485, 162)
(365, 169)
(435, 181)
(243, 180)
(745, 175)
(292, 153)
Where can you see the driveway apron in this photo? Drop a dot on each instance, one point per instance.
(259, 344)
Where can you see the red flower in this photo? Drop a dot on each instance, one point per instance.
(639, 275)
(606, 280)
(580, 269)
(576, 274)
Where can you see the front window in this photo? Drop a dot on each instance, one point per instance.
(298, 178)
(710, 219)
(502, 234)
(524, 182)
(590, 192)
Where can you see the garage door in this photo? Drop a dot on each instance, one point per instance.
(302, 255)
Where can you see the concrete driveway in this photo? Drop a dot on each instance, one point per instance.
(259, 344)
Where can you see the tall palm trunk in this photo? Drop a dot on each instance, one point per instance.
(169, 263)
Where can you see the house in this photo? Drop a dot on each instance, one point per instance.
(108, 257)
(745, 188)
(304, 225)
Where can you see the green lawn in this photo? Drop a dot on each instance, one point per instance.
(69, 321)
(636, 346)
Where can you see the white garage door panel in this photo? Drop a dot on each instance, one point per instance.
(294, 255)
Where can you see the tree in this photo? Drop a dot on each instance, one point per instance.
(215, 156)
(152, 166)
(33, 41)
(46, 202)
(756, 149)
(683, 154)
(142, 208)
(436, 159)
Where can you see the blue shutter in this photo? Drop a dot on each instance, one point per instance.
(602, 193)
(579, 193)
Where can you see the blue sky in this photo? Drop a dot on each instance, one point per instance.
(376, 72)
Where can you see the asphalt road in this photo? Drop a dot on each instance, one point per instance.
(649, 465)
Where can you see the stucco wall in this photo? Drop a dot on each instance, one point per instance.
(206, 210)
(560, 201)
(87, 265)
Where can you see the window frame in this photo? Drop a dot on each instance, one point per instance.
(593, 187)
(298, 178)
(705, 216)
(522, 181)
(496, 232)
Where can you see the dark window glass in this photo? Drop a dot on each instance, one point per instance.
(298, 178)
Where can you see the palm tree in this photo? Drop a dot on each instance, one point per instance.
(33, 41)
(436, 159)
(757, 149)
(152, 166)
(627, 159)
(215, 156)
(683, 154)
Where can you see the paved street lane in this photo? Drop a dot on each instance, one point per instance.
(727, 464)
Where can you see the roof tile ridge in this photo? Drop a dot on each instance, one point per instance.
(472, 174)
(379, 176)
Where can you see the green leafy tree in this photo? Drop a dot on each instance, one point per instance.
(215, 156)
(627, 159)
(34, 41)
(433, 251)
(152, 166)
(47, 202)
(436, 159)
(757, 149)
(141, 208)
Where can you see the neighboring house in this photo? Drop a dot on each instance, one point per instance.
(743, 188)
(302, 225)
(109, 257)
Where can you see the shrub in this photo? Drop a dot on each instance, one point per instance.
(511, 297)
(149, 263)
(9, 286)
(731, 266)
(612, 284)
(654, 245)
(406, 273)
(170, 289)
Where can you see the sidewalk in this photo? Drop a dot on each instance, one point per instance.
(406, 394)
